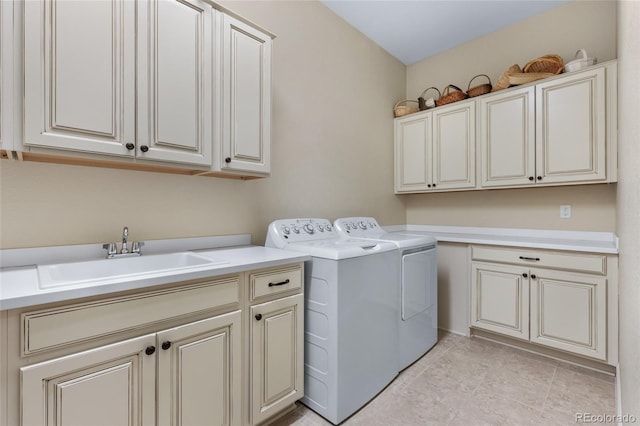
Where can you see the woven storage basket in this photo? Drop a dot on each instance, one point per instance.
(527, 77)
(545, 64)
(400, 110)
(580, 60)
(474, 91)
(503, 81)
(451, 96)
(429, 103)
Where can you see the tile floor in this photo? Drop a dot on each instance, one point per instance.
(463, 381)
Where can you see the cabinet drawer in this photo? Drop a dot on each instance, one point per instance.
(586, 263)
(52, 328)
(275, 281)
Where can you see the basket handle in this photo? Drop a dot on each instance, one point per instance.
(446, 89)
(406, 100)
(479, 75)
(581, 54)
(426, 90)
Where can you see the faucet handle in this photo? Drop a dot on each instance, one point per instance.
(136, 246)
(111, 249)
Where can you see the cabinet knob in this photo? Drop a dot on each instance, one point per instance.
(166, 345)
(531, 177)
(428, 185)
(525, 275)
(533, 276)
(539, 178)
(434, 185)
(150, 350)
(144, 148)
(227, 160)
(130, 146)
(258, 317)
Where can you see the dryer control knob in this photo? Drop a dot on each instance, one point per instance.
(328, 228)
(362, 225)
(308, 228)
(296, 229)
(286, 230)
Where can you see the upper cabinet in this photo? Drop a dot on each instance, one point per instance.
(152, 82)
(79, 85)
(246, 98)
(561, 131)
(6, 75)
(435, 151)
(175, 78)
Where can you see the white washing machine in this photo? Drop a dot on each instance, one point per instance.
(418, 281)
(351, 310)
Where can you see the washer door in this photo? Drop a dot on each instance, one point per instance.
(419, 278)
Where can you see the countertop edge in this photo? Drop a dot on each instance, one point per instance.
(71, 293)
(582, 241)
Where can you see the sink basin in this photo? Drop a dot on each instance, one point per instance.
(73, 273)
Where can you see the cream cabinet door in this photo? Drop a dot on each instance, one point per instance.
(500, 299)
(79, 75)
(507, 138)
(570, 128)
(6, 75)
(199, 367)
(413, 153)
(246, 98)
(277, 358)
(568, 312)
(175, 66)
(110, 385)
(454, 142)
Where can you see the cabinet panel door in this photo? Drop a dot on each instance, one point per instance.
(500, 299)
(454, 141)
(175, 84)
(413, 153)
(246, 128)
(568, 312)
(276, 356)
(6, 75)
(79, 65)
(570, 128)
(199, 366)
(110, 385)
(507, 136)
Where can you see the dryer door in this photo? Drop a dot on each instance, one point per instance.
(419, 281)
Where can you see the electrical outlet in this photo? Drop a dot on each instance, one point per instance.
(565, 212)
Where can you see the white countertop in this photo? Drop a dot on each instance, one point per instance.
(20, 285)
(592, 242)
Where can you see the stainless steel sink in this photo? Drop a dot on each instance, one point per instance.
(73, 273)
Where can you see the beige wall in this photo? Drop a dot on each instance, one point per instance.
(629, 204)
(579, 24)
(332, 145)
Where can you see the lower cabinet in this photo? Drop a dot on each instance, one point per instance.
(218, 351)
(193, 369)
(555, 299)
(276, 356)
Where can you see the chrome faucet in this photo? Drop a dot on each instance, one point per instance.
(112, 248)
(125, 236)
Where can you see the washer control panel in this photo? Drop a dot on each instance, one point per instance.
(286, 231)
(358, 226)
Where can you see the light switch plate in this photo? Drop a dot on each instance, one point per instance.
(565, 211)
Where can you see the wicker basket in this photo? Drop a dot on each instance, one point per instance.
(474, 91)
(503, 81)
(545, 64)
(518, 78)
(429, 103)
(451, 96)
(579, 61)
(400, 110)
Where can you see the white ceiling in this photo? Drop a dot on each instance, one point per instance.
(414, 30)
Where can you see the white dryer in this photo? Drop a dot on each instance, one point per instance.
(351, 311)
(418, 282)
